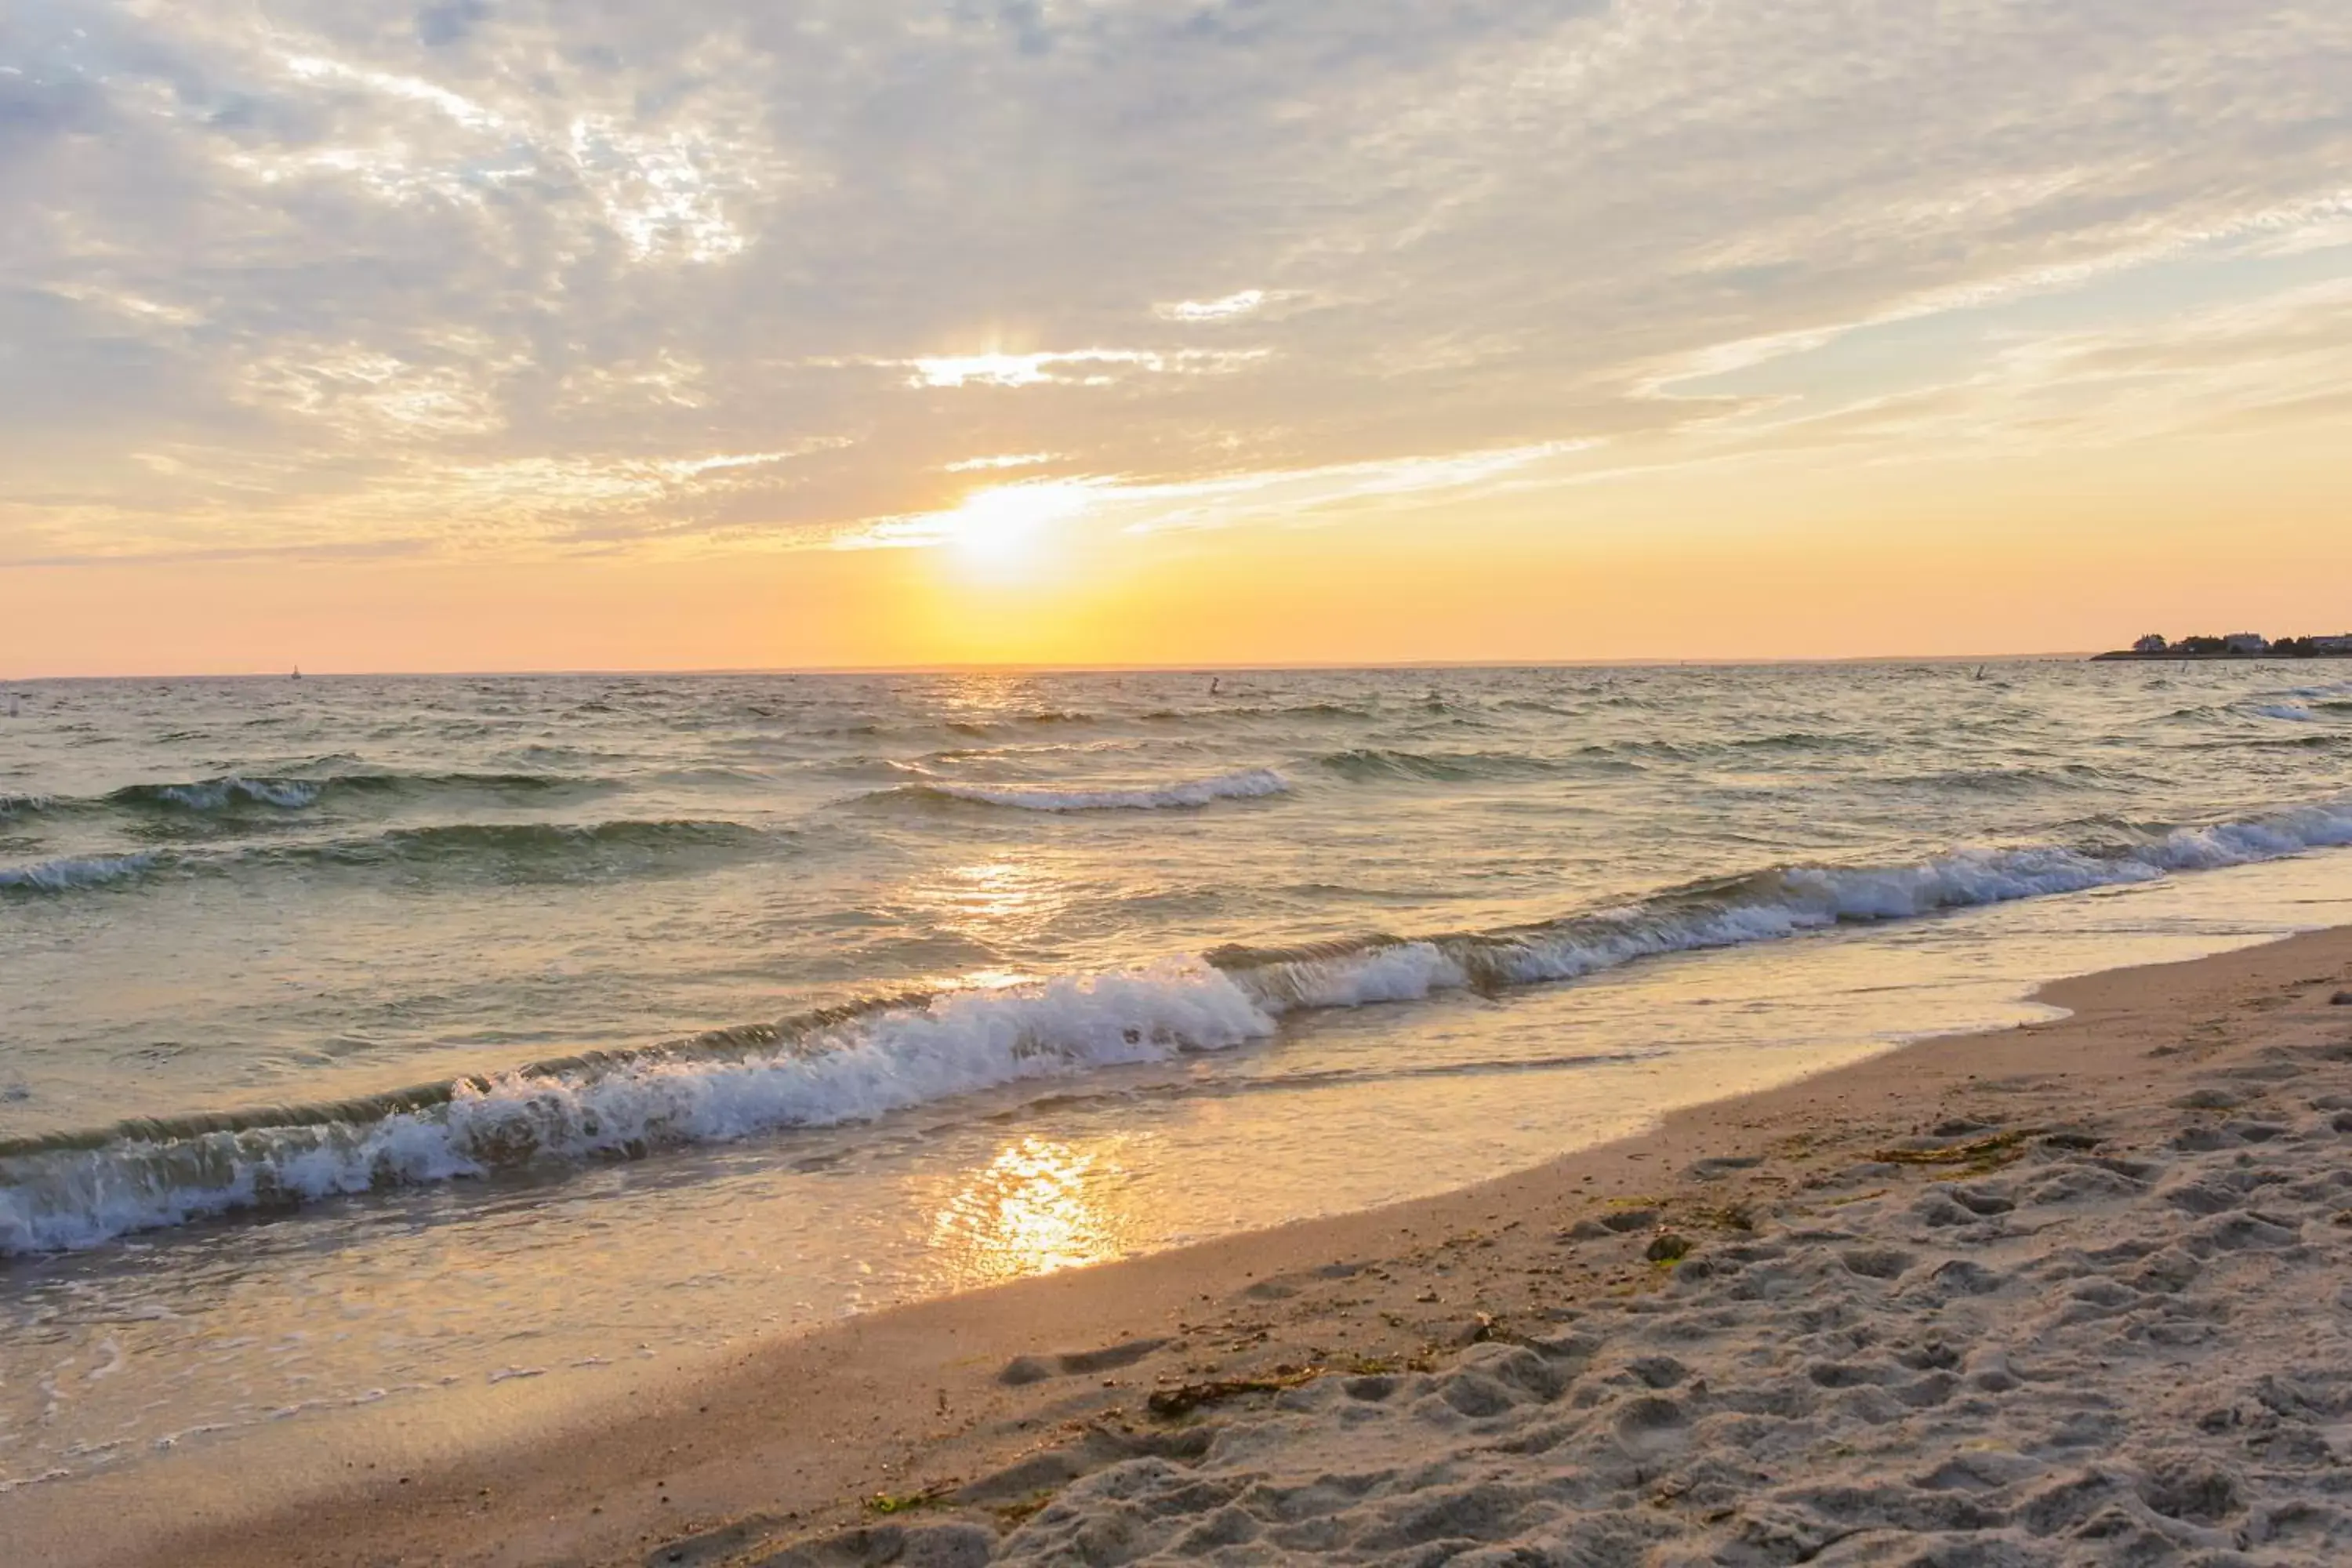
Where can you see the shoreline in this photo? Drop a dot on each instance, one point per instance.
(2125, 656)
(981, 1404)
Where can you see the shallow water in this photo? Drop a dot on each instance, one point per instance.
(281, 922)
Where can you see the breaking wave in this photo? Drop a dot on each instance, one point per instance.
(77, 1190)
(1763, 906)
(856, 1063)
(222, 794)
(233, 793)
(522, 850)
(1248, 785)
(74, 872)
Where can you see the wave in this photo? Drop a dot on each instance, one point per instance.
(466, 840)
(2293, 712)
(1372, 766)
(1212, 710)
(2320, 740)
(856, 1063)
(2008, 780)
(526, 850)
(78, 1191)
(1320, 712)
(1249, 785)
(235, 792)
(222, 794)
(1761, 906)
(67, 875)
(1800, 741)
(1019, 721)
(234, 796)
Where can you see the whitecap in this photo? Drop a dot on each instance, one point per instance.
(84, 871)
(1249, 785)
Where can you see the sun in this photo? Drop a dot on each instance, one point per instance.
(1001, 533)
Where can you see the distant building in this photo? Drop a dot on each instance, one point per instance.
(2342, 642)
(2246, 642)
(2152, 643)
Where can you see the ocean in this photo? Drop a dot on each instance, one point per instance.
(362, 1038)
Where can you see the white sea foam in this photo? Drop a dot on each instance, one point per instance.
(1250, 783)
(1771, 906)
(956, 1045)
(85, 871)
(290, 795)
(2293, 712)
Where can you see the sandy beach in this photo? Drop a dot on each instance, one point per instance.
(2071, 1292)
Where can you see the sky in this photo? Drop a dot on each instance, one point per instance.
(523, 335)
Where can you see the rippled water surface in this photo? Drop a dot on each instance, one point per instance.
(795, 993)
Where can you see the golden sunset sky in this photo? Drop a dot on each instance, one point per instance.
(608, 334)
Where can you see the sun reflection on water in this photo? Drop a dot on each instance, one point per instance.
(1038, 1207)
(1004, 906)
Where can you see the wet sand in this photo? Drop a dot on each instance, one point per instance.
(2077, 1291)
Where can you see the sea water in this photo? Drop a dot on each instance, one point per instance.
(362, 1038)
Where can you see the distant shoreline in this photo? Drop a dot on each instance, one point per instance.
(2177, 656)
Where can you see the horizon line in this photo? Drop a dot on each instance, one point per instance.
(985, 667)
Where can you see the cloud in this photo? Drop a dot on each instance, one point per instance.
(1230, 307)
(1093, 367)
(484, 276)
(1220, 501)
(1003, 460)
